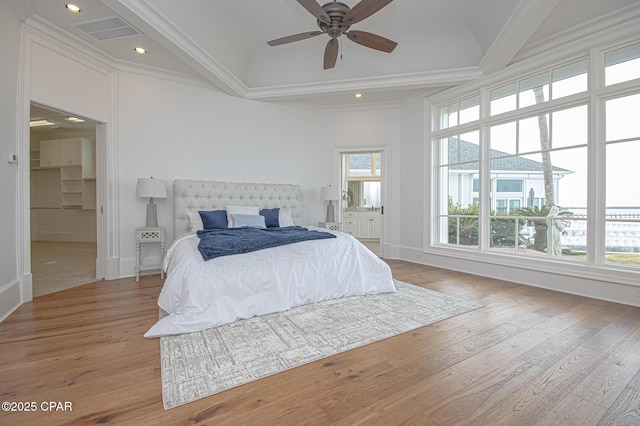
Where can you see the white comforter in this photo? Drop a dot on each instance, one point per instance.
(198, 295)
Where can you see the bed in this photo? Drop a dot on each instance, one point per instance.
(199, 294)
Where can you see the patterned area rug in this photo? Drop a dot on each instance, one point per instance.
(196, 365)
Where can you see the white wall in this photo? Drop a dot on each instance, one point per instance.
(373, 128)
(411, 164)
(172, 130)
(10, 53)
(47, 64)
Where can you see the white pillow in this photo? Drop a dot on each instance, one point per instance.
(195, 221)
(250, 220)
(285, 218)
(248, 210)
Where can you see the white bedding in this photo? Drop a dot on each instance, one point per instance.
(198, 295)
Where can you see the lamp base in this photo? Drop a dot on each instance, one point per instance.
(152, 215)
(331, 213)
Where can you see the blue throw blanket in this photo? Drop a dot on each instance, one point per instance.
(224, 242)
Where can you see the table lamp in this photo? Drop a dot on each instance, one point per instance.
(151, 188)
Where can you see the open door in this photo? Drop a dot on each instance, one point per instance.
(63, 214)
(362, 205)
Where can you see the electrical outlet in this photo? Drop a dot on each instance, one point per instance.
(638, 293)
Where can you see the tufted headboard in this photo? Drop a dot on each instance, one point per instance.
(209, 195)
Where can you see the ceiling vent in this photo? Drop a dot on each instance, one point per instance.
(107, 29)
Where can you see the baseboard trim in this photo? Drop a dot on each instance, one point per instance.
(580, 286)
(9, 299)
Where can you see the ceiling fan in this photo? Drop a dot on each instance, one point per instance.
(335, 19)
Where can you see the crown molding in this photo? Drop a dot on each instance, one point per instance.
(146, 70)
(522, 24)
(422, 80)
(614, 25)
(45, 29)
(22, 9)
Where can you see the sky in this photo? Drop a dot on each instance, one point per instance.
(568, 130)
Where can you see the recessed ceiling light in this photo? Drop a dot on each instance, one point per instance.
(40, 122)
(358, 95)
(72, 8)
(74, 119)
(140, 50)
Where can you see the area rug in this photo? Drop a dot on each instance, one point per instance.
(196, 365)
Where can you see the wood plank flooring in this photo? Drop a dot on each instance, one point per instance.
(528, 357)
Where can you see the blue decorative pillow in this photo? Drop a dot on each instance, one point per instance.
(271, 217)
(214, 219)
(250, 220)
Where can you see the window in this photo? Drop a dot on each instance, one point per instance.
(458, 171)
(503, 185)
(622, 64)
(523, 183)
(565, 80)
(362, 173)
(622, 231)
(363, 165)
(461, 112)
(569, 79)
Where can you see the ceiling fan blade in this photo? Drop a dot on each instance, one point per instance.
(331, 54)
(363, 10)
(292, 38)
(372, 40)
(316, 10)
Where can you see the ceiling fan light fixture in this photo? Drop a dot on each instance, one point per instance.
(335, 19)
(73, 8)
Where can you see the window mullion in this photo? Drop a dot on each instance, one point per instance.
(484, 225)
(596, 202)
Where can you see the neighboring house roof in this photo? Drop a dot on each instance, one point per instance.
(362, 161)
(461, 151)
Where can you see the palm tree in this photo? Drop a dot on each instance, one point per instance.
(540, 225)
(545, 146)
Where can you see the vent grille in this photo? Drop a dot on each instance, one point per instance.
(107, 29)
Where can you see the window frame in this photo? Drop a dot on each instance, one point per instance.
(594, 97)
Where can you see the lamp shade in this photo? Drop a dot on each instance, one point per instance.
(151, 188)
(330, 193)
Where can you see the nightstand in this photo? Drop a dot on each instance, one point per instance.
(332, 226)
(149, 235)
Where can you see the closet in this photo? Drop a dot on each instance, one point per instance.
(63, 190)
(74, 161)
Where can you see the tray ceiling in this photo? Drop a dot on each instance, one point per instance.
(224, 43)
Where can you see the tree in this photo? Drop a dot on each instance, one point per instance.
(463, 230)
(545, 146)
(540, 225)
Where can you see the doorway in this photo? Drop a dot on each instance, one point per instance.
(362, 206)
(63, 221)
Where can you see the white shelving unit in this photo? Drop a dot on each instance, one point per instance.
(75, 159)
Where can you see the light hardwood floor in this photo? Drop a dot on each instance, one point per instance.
(528, 357)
